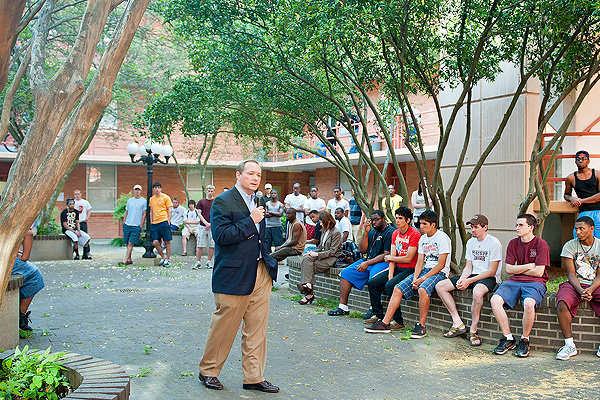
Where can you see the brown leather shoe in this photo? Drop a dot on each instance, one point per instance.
(211, 382)
(264, 386)
(304, 289)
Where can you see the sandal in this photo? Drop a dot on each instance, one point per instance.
(456, 331)
(308, 299)
(474, 339)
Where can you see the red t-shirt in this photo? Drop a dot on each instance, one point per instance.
(519, 253)
(403, 241)
(204, 207)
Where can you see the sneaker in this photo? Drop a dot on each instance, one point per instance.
(161, 262)
(396, 326)
(166, 263)
(368, 314)
(598, 353)
(566, 352)
(371, 320)
(505, 345)
(197, 265)
(378, 327)
(338, 311)
(24, 321)
(76, 257)
(419, 332)
(208, 265)
(522, 348)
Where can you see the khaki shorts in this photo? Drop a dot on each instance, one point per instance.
(185, 232)
(204, 238)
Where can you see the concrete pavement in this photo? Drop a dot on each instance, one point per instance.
(153, 322)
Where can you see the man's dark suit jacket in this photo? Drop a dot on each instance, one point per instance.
(237, 245)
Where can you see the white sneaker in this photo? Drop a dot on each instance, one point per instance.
(162, 262)
(566, 352)
(166, 263)
(208, 265)
(598, 353)
(197, 265)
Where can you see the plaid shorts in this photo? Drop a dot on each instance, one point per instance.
(428, 284)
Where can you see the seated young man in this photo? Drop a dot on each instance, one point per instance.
(376, 244)
(581, 258)
(69, 218)
(433, 265)
(32, 279)
(402, 260)
(526, 259)
(481, 275)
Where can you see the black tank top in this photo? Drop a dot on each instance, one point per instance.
(585, 189)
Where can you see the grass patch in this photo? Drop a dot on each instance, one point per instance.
(292, 298)
(552, 285)
(327, 302)
(355, 314)
(25, 334)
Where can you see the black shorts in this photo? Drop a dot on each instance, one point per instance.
(490, 283)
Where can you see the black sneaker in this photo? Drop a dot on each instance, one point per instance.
(505, 345)
(522, 348)
(378, 327)
(368, 314)
(76, 257)
(24, 321)
(419, 332)
(337, 311)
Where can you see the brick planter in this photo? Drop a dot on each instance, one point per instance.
(95, 379)
(546, 333)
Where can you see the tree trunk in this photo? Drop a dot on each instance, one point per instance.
(10, 16)
(45, 156)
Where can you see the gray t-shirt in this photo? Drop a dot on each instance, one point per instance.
(274, 222)
(135, 211)
(586, 260)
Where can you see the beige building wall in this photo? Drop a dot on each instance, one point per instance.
(502, 181)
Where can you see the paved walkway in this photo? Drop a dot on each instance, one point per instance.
(120, 314)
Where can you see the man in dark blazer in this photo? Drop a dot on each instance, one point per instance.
(242, 278)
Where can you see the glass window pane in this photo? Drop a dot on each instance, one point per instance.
(101, 199)
(194, 179)
(101, 176)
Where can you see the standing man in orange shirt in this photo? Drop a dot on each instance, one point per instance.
(160, 222)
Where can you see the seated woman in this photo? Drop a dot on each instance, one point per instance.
(323, 258)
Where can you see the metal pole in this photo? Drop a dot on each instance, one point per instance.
(148, 160)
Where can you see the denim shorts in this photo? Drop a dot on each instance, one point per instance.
(161, 230)
(511, 292)
(428, 284)
(131, 234)
(32, 278)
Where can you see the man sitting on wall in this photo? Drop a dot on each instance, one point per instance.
(69, 218)
(581, 258)
(376, 244)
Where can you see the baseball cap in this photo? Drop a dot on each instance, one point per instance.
(268, 186)
(138, 187)
(478, 219)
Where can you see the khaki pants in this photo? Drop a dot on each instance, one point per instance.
(253, 310)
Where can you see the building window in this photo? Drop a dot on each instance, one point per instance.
(101, 190)
(194, 183)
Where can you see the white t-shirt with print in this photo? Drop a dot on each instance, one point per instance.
(432, 247)
(482, 253)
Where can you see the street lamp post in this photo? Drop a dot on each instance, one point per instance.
(149, 154)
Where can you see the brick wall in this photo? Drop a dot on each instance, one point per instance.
(546, 333)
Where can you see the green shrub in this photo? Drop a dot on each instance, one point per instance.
(53, 227)
(117, 242)
(119, 211)
(33, 375)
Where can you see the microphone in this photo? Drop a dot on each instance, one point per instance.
(260, 201)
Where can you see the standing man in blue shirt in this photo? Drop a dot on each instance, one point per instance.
(135, 216)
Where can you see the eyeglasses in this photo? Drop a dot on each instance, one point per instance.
(375, 219)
